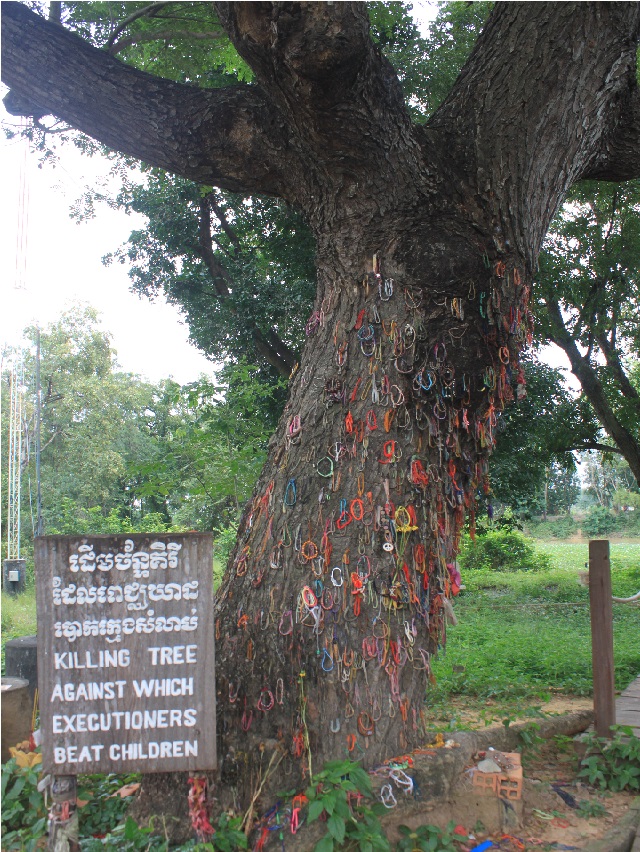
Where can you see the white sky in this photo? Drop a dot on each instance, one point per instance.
(63, 262)
(63, 267)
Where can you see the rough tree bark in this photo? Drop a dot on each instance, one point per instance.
(335, 598)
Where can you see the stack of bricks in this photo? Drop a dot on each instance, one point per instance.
(506, 784)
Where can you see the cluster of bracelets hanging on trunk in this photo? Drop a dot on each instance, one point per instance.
(404, 418)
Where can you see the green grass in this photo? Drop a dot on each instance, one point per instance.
(18, 616)
(522, 634)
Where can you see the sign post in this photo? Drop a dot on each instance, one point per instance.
(126, 670)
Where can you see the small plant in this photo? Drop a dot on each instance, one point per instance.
(338, 792)
(563, 743)
(127, 837)
(103, 803)
(612, 764)
(24, 816)
(529, 738)
(430, 838)
(228, 836)
(130, 837)
(588, 810)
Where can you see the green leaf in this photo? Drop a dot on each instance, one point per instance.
(325, 844)
(131, 829)
(341, 808)
(16, 789)
(336, 827)
(315, 809)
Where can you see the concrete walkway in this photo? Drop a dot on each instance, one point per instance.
(628, 707)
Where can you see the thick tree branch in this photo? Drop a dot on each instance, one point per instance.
(592, 389)
(619, 157)
(537, 103)
(318, 64)
(235, 139)
(281, 40)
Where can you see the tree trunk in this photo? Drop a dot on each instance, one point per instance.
(336, 596)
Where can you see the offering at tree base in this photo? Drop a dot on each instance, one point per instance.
(125, 631)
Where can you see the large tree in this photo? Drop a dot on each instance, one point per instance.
(426, 244)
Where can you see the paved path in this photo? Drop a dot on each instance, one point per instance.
(628, 707)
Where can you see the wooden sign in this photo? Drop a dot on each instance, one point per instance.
(126, 653)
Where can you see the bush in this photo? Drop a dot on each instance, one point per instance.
(502, 550)
(613, 764)
(599, 521)
(24, 815)
(628, 523)
(563, 527)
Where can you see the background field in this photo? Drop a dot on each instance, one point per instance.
(527, 635)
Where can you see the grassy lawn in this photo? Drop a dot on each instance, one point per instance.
(18, 616)
(522, 635)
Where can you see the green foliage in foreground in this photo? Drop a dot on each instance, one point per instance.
(340, 793)
(24, 816)
(103, 809)
(613, 764)
(502, 550)
(430, 838)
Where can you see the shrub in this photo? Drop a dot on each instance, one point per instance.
(563, 527)
(24, 816)
(503, 550)
(599, 521)
(628, 523)
(613, 764)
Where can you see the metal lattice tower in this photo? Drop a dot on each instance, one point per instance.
(15, 455)
(14, 467)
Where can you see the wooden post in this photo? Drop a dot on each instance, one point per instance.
(63, 816)
(601, 607)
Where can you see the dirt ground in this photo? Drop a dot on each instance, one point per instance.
(482, 714)
(559, 810)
